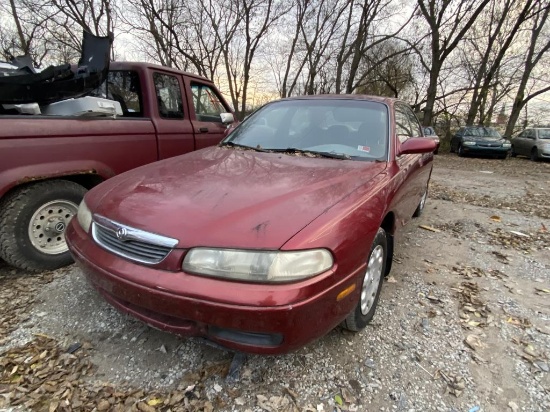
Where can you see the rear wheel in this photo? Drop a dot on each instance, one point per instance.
(371, 285)
(33, 220)
(534, 154)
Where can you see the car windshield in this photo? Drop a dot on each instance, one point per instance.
(338, 128)
(482, 132)
(544, 133)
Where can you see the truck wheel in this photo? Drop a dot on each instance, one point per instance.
(33, 220)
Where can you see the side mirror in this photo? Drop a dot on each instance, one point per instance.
(416, 145)
(227, 118)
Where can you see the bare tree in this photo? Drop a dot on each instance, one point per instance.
(448, 21)
(496, 38)
(387, 70)
(254, 20)
(537, 48)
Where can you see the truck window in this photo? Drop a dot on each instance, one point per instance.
(123, 86)
(208, 105)
(170, 103)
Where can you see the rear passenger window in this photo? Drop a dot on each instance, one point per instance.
(170, 103)
(208, 105)
(123, 86)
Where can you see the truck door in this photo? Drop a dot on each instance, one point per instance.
(208, 105)
(173, 125)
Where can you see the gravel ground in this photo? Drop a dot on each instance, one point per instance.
(462, 325)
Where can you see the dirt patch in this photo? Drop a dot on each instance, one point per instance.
(463, 322)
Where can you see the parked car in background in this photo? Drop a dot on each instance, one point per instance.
(480, 140)
(533, 143)
(270, 239)
(430, 133)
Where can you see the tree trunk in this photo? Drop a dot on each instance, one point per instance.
(23, 43)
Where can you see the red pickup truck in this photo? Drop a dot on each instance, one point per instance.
(47, 163)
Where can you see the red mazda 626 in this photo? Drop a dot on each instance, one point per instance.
(269, 240)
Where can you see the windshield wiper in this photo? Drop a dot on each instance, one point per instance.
(332, 155)
(243, 146)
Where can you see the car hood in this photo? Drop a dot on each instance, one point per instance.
(223, 197)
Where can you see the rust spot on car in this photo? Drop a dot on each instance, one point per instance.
(260, 227)
(28, 179)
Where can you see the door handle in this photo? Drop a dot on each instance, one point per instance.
(203, 129)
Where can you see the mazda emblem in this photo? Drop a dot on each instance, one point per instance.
(121, 233)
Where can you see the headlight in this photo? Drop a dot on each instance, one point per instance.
(506, 145)
(84, 216)
(546, 146)
(468, 143)
(259, 266)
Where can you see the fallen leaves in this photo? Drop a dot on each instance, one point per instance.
(17, 293)
(523, 323)
(42, 376)
(473, 311)
(529, 205)
(524, 242)
(474, 342)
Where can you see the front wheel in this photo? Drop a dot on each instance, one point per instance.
(461, 152)
(513, 152)
(33, 220)
(371, 285)
(534, 154)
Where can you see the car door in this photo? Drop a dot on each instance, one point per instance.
(520, 142)
(207, 123)
(410, 177)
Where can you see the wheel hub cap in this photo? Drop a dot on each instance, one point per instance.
(371, 281)
(48, 224)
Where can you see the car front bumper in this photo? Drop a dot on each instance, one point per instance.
(544, 153)
(486, 150)
(256, 318)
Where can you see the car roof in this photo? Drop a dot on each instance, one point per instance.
(381, 99)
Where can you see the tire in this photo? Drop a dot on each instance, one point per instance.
(371, 286)
(33, 220)
(422, 204)
(513, 152)
(534, 154)
(460, 150)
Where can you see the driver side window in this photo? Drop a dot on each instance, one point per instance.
(208, 105)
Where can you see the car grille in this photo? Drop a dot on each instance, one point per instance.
(131, 243)
(489, 144)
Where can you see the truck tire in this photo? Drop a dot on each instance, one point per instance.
(33, 220)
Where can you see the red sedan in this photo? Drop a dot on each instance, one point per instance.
(269, 240)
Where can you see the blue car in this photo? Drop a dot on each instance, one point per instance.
(480, 140)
